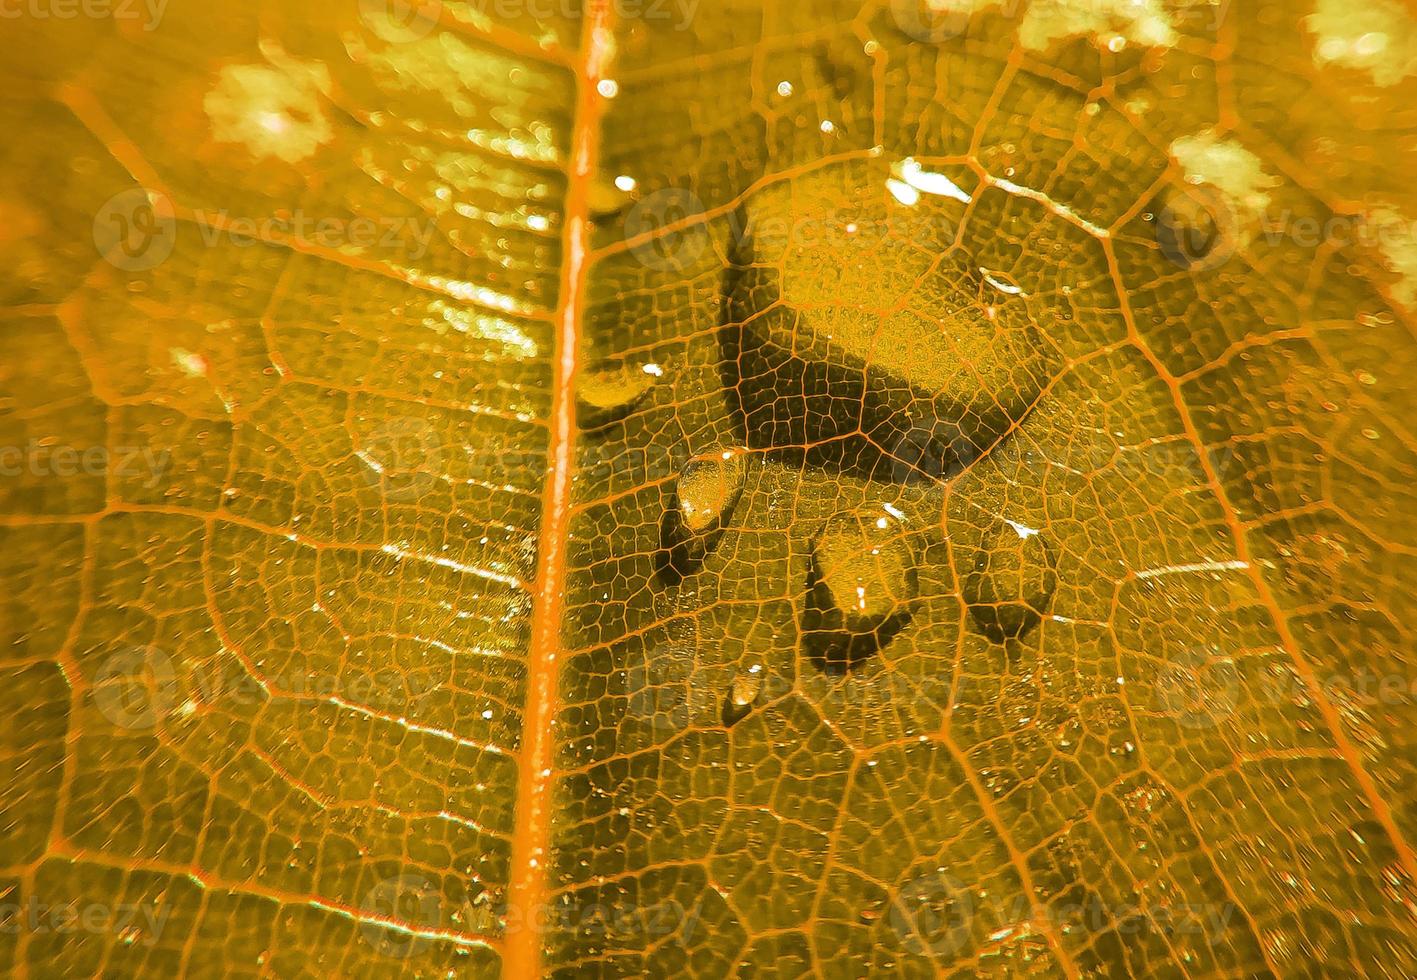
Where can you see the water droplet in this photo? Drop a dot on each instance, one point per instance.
(1011, 582)
(709, 487)
(608, 198)
(705, 494)
(862, 587)
(608, 392)
(742, 694)
(866, 569)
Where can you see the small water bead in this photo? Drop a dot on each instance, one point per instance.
(609, 198)
(862, 588)
(705, 494)
(742, 694)
(863, 563)
(709, 486)
(608, 392)
(1011, 581)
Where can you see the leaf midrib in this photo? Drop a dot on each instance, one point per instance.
(528, 889)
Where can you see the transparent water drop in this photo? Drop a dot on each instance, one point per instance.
(1011, 581)
(705, 494)
(743, 693)
(708, 487)
(608, 392)
(866, 568)
(862, 588)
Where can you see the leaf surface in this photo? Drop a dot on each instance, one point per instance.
(862, 493)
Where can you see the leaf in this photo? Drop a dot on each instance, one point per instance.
(475, 518)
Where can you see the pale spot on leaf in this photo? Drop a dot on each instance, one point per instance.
(1376, 37)
(273, 110)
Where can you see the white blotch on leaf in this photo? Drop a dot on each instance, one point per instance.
(1378, 37)
(274, 110)
(1399, 251)
(1225, 165)
(928, 182)
(1143, 22)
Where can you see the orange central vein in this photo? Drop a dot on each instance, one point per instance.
(528, 887)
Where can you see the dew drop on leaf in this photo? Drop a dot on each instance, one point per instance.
(862, 587)
(1011, 582)
(705, 494)
(609, 392)
(743, 692)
